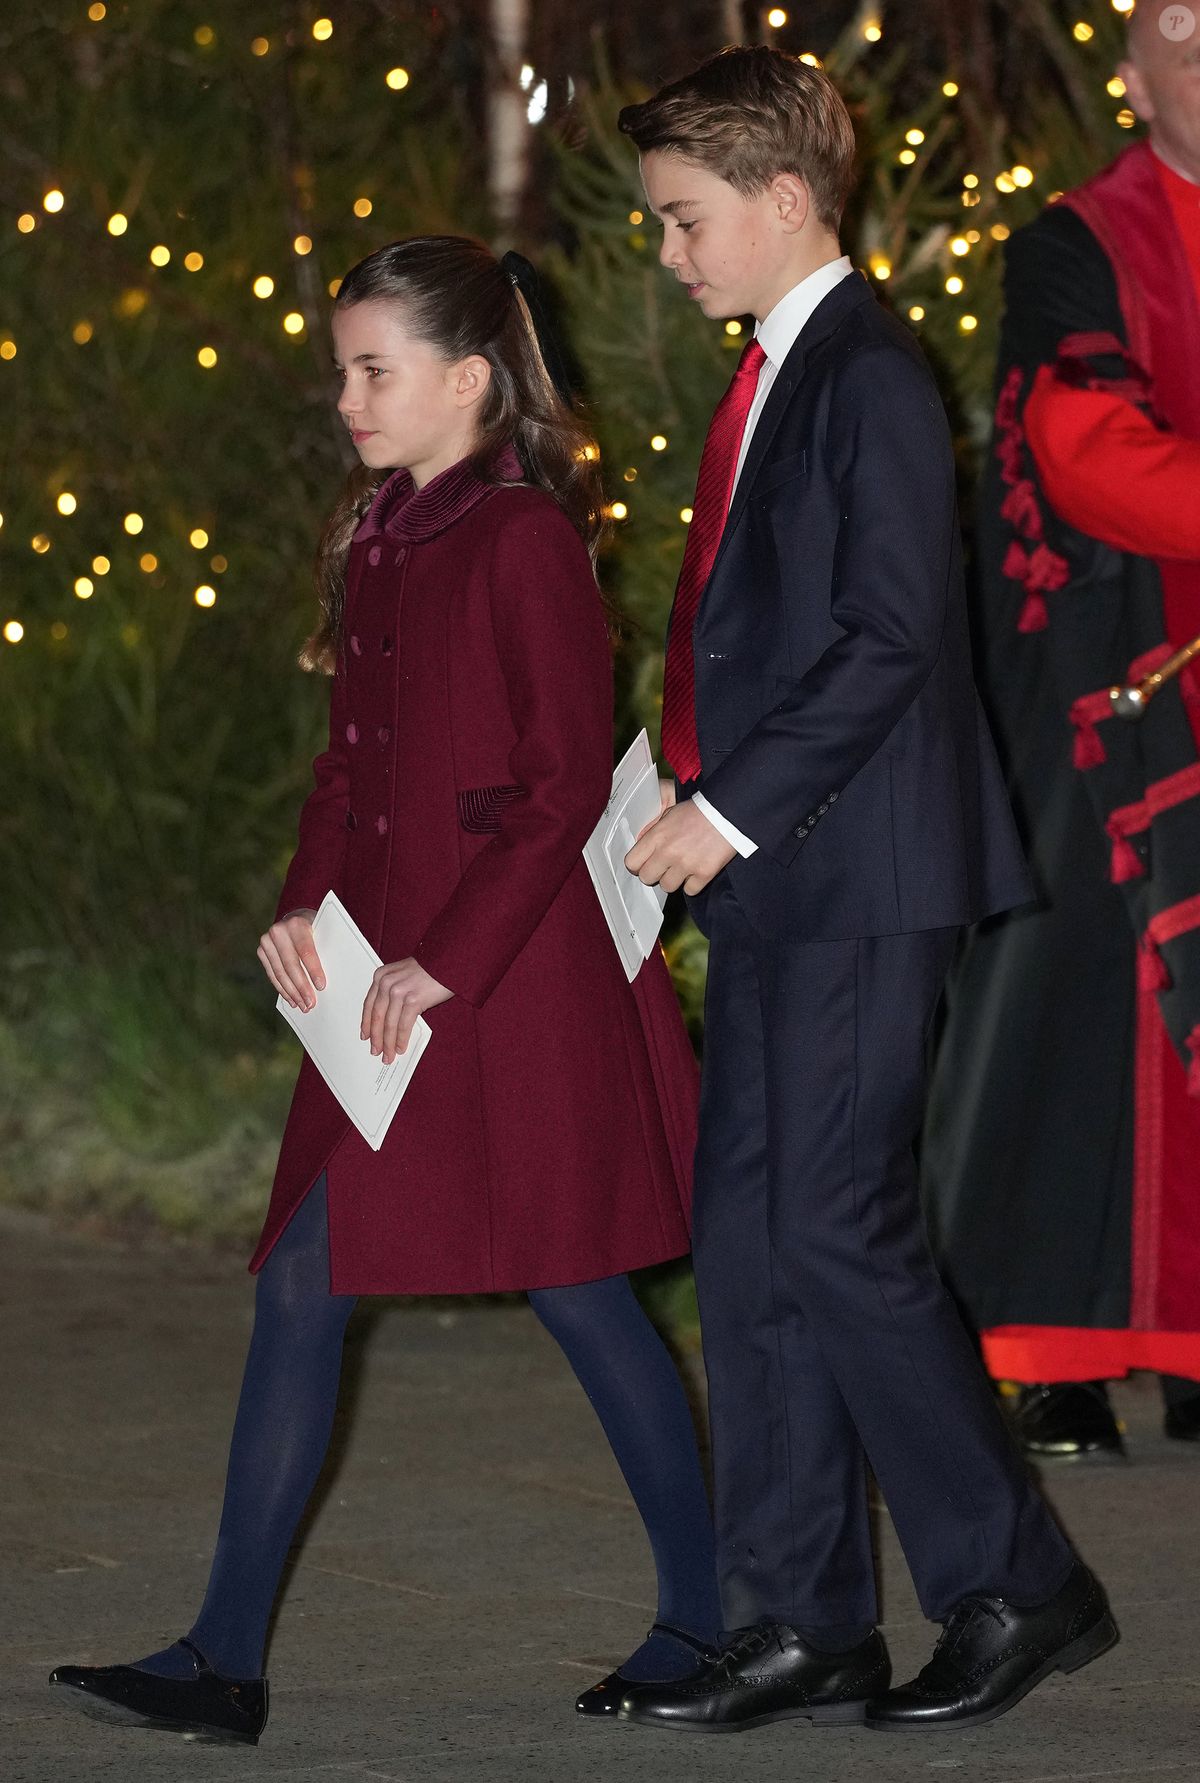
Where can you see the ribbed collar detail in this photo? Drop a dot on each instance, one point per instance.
(401, 511)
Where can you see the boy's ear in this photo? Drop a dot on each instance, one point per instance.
(792, 201)
(470, 379)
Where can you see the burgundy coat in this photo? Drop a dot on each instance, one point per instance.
(547, 1134)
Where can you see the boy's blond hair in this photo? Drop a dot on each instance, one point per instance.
(750, 114)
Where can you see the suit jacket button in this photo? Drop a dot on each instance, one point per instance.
(800, 833)
(833, 798)
(821, 810)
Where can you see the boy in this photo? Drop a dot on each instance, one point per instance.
(841, 816)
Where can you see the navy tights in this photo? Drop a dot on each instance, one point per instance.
(285, 1417)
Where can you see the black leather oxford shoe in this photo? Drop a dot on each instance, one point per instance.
(207, 1707)
(1067, 1420)
(604, 1698)
(991, 1654)
(765, 1674)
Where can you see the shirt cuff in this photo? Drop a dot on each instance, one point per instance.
(722, 825)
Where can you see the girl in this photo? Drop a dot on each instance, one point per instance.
(545, 1140)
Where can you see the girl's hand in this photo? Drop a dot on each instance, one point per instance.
(398, 995)
(290, 959)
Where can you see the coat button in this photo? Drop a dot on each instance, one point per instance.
(356, 644)
(381, 825)
(386, 646)
(401, 554)
(352, 733)
(373, 555)
(384, 734)
(351, 821)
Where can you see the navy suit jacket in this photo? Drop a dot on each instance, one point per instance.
(836, 710)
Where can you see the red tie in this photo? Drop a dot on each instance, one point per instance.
(714, 488)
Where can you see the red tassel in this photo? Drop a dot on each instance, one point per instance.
(1152, 968)
(1034, 614)
(1089, 750)
(1016, 563)
(1126, 861)
(1193, 1081)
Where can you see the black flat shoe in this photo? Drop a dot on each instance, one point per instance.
(766, 1674)
(604, 1698)
(991, 1654)
(1182, 1421)
(1066, 1420)
(207, 1707)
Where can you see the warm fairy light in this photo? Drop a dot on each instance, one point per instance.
(118, 223)
(302, 244)
(636, 217)
(218, 563)
(193, 261)
(950, 89)
(264, 284)
(974, 237)
(1005, 182)
(777, 18)
(813, 61)
(97, 11)
(334, 286)
(914, 136)
(58, 631)
(26, 222)
(8, 349)
(1022, 176)
(968, 324)
(960, 246)
(205, 595)
(197, 538)
(397, 79)
(53, 200)
(629, 476)
(1123, 5)
(733, 328)
(363, 207)
(954, 285)
(148, 562)
(970, 181)
(907, 157)
(207, 357)
(685, 514)
(1000, 231)
(66, 503)
(322, 30)
(1127, 119)
(204, 35)
(591, 453)
(133, 524)
(160, 255)
(873, 31)
(131, 302)
(85, 588)
(881, 266)
(41, 543)
(293, 322)
(14, 631)
(259, 46)
(1083, 32)
(618, 510)
(100, 566)
(917, 313)
(1, 519)
(658, 442)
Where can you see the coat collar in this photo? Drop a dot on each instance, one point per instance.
(401, 511)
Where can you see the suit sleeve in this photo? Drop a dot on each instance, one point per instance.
(553, 650)
(890, 453)
(317, 862)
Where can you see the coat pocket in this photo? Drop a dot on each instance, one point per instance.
(481, 808)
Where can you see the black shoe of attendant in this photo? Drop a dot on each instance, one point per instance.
(207, 1707)
(1067, 1419)
(604, 1698)
(1182, 1420)
(766, 1674)
(991, 1654)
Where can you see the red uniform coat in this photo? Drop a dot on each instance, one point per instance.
(547, 1134)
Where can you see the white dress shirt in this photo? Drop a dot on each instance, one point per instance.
(777, 334)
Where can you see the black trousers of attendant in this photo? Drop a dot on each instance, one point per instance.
(829, 1339)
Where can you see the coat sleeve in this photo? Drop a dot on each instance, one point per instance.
(891, 458)
(317, 862)
(552, 645)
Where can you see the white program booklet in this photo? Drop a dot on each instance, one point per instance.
(367, 1089)
(634, 910)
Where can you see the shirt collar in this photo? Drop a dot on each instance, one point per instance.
(777, 333)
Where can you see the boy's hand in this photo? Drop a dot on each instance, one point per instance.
(398, 995)
(290, 959)
(680, 848)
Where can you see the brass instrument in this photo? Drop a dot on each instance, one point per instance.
(1131, 702)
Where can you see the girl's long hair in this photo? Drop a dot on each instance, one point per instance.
(457, 297)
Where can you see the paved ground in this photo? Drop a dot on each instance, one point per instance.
(473, 1563)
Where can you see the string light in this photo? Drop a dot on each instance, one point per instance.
(907, 157)
(14, 631)
(960, 246)
(1127, 119)
(618, 510)
(66, 503)
(636, 217)
(219, 564)
(1022, 176)
(160, 256)
(1116, 87)
(968, 324)
(1005, 182)
(914, 136)
(777, 18)
(205, 595)
(58, 631)
(873, 31)
(53, 200)
(630, 475)
(1000, 232)
(100, 566)
(733, 328)
(131, 302)
(954, 285)
(302, 244)
(85, 588)
(950, 89)
(8, 348)
(133, 524)
(264, 284)
(1123, 5)
(207, 357)
(1083, 33)
(41, 543)
(917, 313)
(322, 30)
(293, 322)
(363, 207)
(259, 46)
(658, 443)
(204, 35)
(970, 181)
(26, 222)
(685, 514)
(193, 261)
(334, 286)
(148, 562)
(118, 223)
(197, 538)
(96, 12)
(881, 266)
(397, 79)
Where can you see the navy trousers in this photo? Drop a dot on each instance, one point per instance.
(829, 1340)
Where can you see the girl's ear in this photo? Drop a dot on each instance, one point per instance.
(470, 380)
